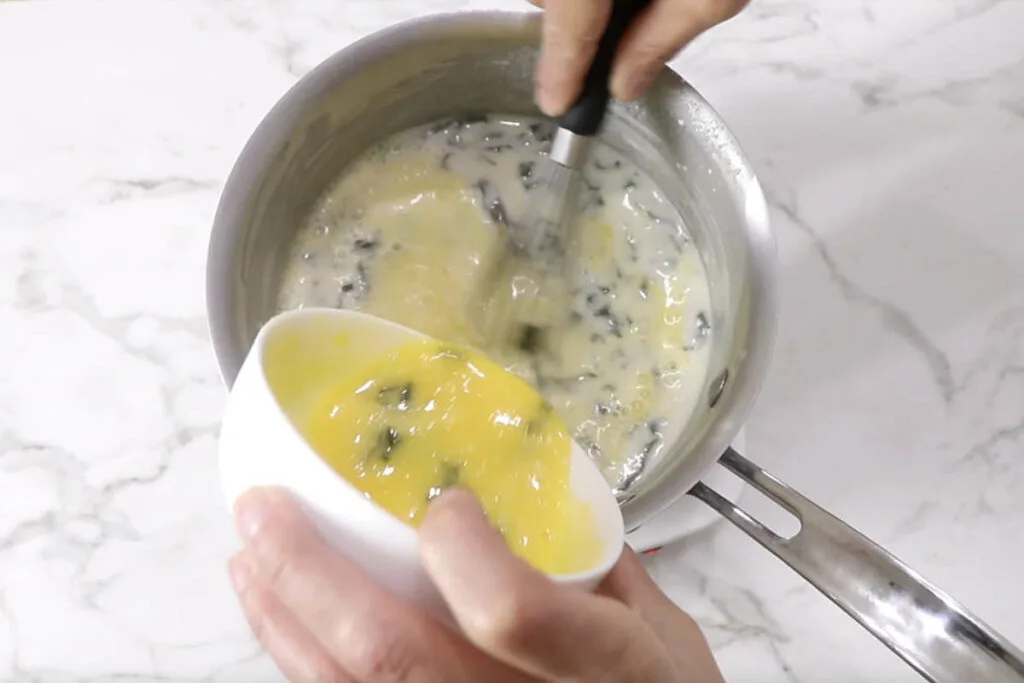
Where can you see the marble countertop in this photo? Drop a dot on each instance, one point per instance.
(889, 137)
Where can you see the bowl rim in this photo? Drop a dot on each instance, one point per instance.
(402, 535)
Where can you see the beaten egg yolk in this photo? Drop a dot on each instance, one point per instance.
(427, 417)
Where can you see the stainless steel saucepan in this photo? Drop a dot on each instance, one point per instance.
(472, 63)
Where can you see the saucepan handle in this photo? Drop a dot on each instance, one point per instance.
(929, 630)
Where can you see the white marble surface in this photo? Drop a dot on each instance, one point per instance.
(889, 135)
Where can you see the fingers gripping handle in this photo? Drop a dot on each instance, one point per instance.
(585, 117)
(929, 630)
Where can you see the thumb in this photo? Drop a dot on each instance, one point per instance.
(519, 616)
(661, 31)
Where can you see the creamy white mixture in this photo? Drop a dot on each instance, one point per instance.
(408, 230)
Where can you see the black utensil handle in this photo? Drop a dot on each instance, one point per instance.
(584, 118)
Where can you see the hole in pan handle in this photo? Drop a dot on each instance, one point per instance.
(930, 631)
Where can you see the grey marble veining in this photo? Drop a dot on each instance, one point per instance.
(889, 137)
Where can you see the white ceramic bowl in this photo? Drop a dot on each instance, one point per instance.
(260, 446)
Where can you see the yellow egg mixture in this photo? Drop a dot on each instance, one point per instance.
(429, 416)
